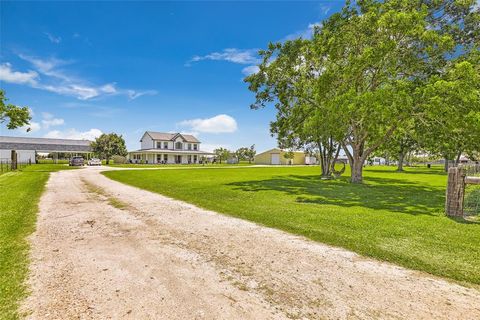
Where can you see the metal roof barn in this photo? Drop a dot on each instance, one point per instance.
(45, 144)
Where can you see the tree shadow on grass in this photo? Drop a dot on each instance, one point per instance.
(408, 170)
(377, 193)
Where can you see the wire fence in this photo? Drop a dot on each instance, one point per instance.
(6, 165)
(471, 200)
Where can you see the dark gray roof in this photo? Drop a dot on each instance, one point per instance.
(44, 144)
(171, 136)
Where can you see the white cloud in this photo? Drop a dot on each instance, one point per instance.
(9, 75)
(250, 70)
(79, 91)
(305, 33)
(49, 120)
(325, 9)
(109, 88)
(32, 127)
(47, 115)
(49, 67)
(56, 79)
(135, 94)
(52, 38)
(248, 56)
(221, 123)
(74, 134)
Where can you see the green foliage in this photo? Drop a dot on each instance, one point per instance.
(108, 145)
(395, 217)
(288, 155)
(452, 109)
(16, 116)
(250, 153)
(240, 154)
(363, 78)
(246, 153)
(221, 154)
(117, 159)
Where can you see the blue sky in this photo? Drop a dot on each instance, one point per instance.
(128, 67)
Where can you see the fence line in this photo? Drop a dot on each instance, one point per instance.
(6, 165)
(463, 191)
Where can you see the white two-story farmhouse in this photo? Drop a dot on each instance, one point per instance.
(165, 148)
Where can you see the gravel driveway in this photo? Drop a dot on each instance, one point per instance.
(104, 250)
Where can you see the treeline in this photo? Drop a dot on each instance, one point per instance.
(389, 76)
(241, 154)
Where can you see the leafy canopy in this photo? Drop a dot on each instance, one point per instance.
(108, 145)
(15, 115)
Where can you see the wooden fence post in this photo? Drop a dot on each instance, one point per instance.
(14, 160)
(455, 192)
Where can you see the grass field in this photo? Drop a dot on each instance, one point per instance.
(137, 165)
(396, 217)
(19, 196)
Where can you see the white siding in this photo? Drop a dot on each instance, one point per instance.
(147, 142)
(5, 154)
(22, 155)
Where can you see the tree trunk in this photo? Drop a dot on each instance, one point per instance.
(357, 170)
(107, 160)
(457, 160)
(401, 155)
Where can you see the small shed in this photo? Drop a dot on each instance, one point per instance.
(276, 156)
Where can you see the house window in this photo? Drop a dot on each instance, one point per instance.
(194, 158)
(159, 158)
(165, 145)
(178, 145)
(137, 157)
(159, 145)
(189, 146)
(165, 158)
(195, 147)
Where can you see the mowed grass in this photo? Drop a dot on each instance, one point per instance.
(19, 196)
(209, 165)
(395, 217)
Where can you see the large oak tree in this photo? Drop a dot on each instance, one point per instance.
(361, 79)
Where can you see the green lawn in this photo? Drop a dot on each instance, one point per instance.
(137, 165)
(20, 192)
(396, 217)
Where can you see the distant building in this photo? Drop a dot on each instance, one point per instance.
(378, 161)
(168, 148)
(27, 148)
(277, 157)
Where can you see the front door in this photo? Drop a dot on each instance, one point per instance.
(159, 158)
(178, 159)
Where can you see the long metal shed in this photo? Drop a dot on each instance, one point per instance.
(27, 147)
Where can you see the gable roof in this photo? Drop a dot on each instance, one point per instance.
(171, 136)
(278, 150)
